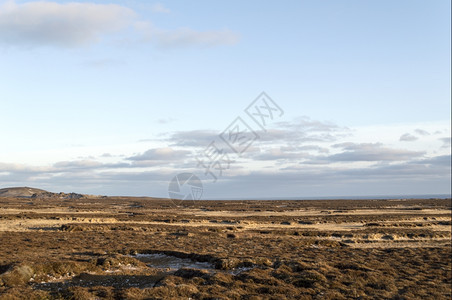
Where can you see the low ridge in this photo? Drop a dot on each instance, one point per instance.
(28, 192)
(20, 192)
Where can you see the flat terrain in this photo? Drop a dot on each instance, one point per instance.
(143, 248)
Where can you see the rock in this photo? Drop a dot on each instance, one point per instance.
(227, 263)
(16, 275)
(263, 261)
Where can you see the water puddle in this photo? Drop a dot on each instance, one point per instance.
(172, 263)
(166, 265)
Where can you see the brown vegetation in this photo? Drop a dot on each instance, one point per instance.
(93, 248)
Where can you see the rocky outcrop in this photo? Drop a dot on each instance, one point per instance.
(68, 196)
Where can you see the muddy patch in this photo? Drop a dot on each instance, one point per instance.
(172, 263)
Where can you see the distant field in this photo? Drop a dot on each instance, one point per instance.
(142, 248)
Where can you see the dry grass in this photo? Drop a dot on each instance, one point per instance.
(83, 249)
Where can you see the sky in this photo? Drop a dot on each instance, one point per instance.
(119, 97)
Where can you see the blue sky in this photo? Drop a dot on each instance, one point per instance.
(117, 97)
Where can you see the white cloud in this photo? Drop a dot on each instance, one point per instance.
(45, 23)
(161, 154)
(68, 25)
(371, 152)
(165, 120)
(446, 142)
(407, 137)
(295, 157)
(421, 132)
(159, 8)
(185, 37)
(279, 154)
(194, 138)
(80, 164)
(20, 168)
(300, 131)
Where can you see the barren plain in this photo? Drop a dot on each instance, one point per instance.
(146, 248)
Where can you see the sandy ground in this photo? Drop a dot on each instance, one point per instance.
(307, 213)
(39, 223)
(48, 224)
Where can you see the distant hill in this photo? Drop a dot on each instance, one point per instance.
(28, 192)
(20, 192)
